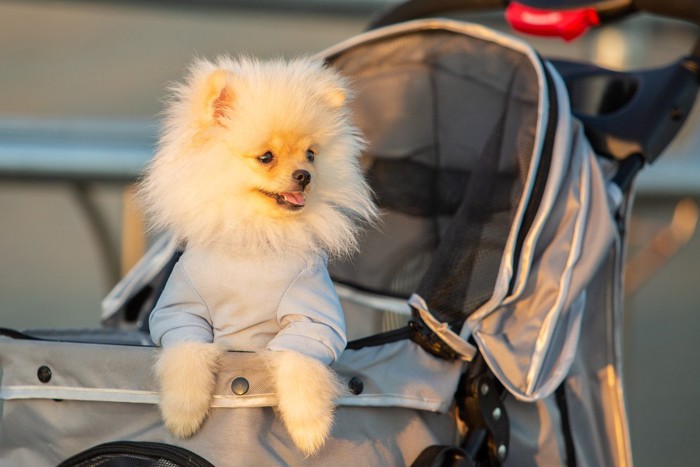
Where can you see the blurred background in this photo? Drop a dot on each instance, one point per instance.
(81, 86)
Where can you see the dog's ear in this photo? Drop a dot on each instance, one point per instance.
(216, 96)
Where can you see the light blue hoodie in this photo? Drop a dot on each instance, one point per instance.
(251, 303)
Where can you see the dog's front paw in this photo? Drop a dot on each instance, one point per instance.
(187, 375)
(306, 389)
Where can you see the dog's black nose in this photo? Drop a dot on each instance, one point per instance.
(303, 177)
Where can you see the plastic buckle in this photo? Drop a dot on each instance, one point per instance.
(567, 24)
(429, 341)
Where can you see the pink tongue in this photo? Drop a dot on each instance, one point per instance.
(295, 198)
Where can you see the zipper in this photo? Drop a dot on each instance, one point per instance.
(541, 176)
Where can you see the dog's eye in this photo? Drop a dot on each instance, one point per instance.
(266, 158)
(310, 155)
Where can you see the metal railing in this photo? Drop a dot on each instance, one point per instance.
(81, 153)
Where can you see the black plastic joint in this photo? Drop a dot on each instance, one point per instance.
(429, 341)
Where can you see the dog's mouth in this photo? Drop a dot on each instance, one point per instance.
(292, 200)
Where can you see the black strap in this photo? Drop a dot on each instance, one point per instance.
(442, 456)
(415, 9)
(7, 332)
(560, 397)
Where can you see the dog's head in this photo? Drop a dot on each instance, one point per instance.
(273, 122)
(263, 147)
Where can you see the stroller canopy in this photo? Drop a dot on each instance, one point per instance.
(487, 190)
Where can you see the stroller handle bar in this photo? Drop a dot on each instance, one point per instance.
(608, 10)
(640, 112)
(688, 10)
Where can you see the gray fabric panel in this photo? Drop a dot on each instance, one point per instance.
(381, 260)
(41, 433)
(536, 437)
(593, 394)
(378, 426)
(594, 386)
(398, 374)
(125, 368)
(402, 370)
(383, 103)
(597, 243)
(530, 340)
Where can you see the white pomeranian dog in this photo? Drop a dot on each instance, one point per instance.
(257, 174)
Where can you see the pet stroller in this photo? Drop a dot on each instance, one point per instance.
(488, 298)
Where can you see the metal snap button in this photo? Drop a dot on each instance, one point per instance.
(356, 385)
(44, 374)
(240, 386)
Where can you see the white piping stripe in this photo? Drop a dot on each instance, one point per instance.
(252, 401)
(472, 29)
(380, 400)
(219, 401)
(81, 394)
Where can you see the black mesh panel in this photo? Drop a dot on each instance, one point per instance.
(135, 454)
(126, 460)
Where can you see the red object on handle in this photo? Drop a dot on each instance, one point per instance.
(568, 24)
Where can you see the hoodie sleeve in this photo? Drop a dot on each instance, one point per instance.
(180, 315)
(311, 317)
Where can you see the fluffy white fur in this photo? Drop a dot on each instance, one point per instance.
(187, 376)
(307, 423)
(205, 186)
